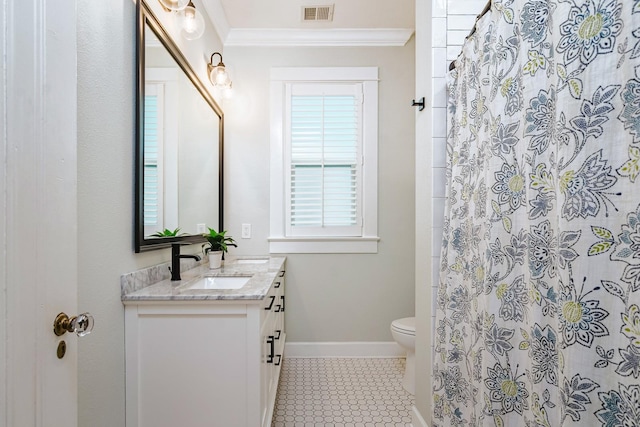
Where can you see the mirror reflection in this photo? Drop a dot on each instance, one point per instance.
(179, 146)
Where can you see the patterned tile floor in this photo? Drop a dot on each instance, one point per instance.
(342, 393)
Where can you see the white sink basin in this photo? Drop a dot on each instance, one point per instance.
(252, 261)
(219, 282)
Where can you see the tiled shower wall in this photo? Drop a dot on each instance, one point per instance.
(452, 20)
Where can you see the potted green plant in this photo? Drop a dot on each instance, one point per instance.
(167, 233)
(217, 244)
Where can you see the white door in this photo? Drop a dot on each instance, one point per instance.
(38, 236)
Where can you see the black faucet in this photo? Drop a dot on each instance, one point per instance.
(175, 260)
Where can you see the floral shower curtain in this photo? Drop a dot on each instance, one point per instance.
(537, 317)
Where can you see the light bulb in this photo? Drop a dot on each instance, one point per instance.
(189, 21)
(218, 76)
(221, 77)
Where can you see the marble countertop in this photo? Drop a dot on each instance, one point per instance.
(141, 286)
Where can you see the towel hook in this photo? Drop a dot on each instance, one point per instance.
(419, 104)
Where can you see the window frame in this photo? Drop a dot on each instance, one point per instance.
(279, 241)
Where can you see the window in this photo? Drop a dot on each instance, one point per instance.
(324, 160)
(160, 149)
(323, 149)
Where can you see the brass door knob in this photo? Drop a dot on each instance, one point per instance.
(82, 324)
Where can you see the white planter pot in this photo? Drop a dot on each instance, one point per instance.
(215, 259)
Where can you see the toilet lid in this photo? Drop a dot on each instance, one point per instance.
(406, 325)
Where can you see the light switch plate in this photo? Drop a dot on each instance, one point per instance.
(246, 231)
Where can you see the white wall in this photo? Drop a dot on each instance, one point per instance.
(346, 297)
(106, 94)
(423, 154)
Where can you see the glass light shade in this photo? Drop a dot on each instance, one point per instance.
(174, 4)
(192, 23)
(219, 76)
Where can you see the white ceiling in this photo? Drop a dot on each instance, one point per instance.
(347, 13)
(279, 22)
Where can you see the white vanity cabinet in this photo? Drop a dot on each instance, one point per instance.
(273, 337)
(213, 362)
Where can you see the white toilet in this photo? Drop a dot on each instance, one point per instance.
(404, 333)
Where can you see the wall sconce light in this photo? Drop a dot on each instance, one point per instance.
(192, 22)
(174, 4)
(219, 76)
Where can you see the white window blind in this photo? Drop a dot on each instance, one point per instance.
(153, 146)
(324, 135)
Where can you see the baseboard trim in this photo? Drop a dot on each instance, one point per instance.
(381, 349)
(416, 418)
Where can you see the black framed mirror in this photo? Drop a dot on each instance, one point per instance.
(179, 143)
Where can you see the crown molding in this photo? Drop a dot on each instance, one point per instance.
(320, 38)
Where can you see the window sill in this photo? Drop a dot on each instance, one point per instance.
(323, 245)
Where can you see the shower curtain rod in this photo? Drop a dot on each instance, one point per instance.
(486, 9)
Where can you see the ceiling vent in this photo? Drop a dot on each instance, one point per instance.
(317, 13)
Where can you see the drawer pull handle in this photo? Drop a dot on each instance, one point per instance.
(282, 297)
(278, 309)
(277, 285)
(281, 274)
(278, 331)
(272, 350)
(273, 298)
(279, 356)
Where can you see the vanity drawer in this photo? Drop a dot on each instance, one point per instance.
(274, 302)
